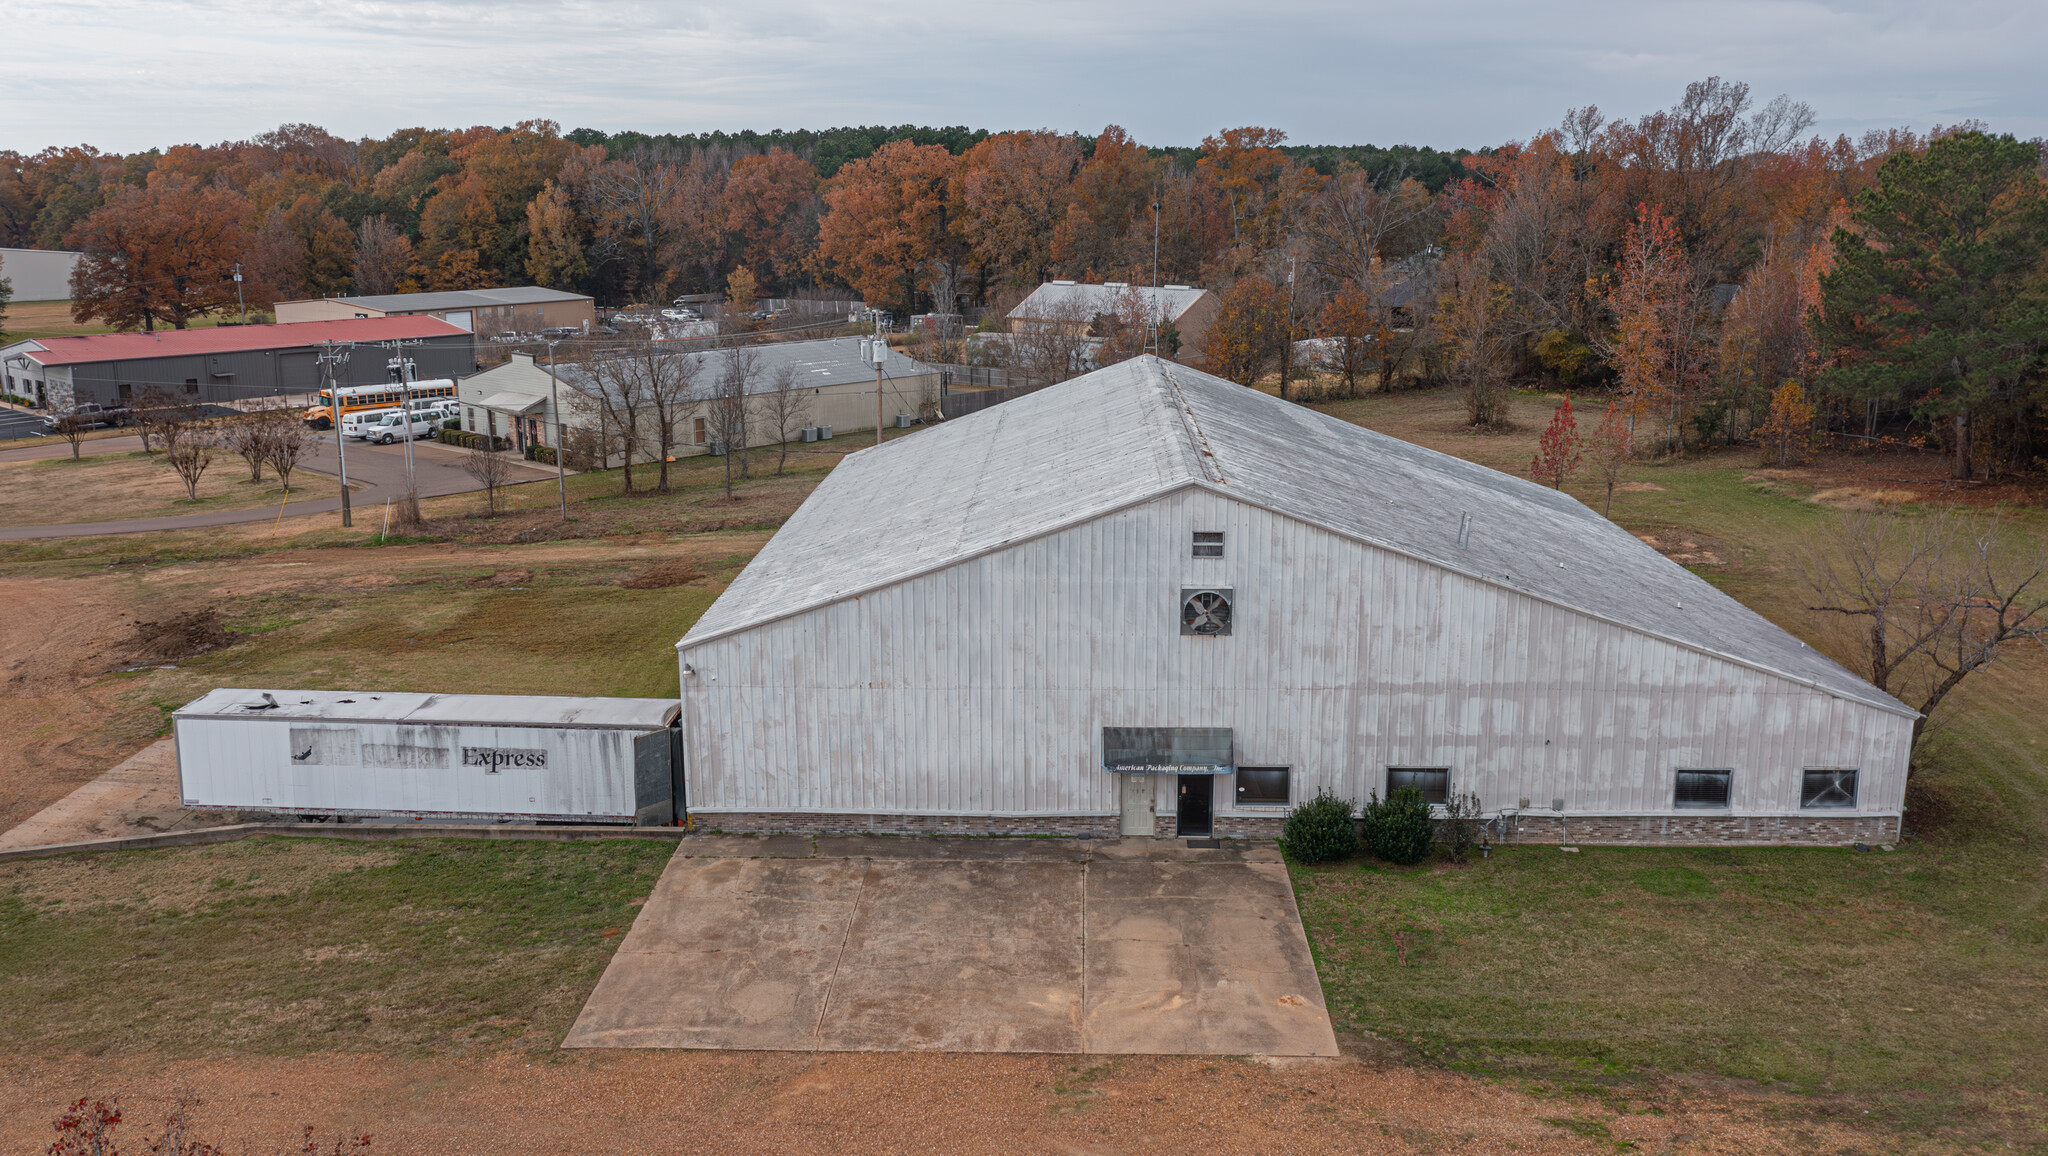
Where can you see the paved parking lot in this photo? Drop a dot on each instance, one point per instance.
(972, 945)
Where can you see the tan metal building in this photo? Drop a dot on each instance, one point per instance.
(526, 309)
(837, 389)
(1072, 307)
(1150, 600)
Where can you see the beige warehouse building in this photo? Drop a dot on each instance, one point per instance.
(833, 387)
(526, 309)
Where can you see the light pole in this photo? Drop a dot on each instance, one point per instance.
(555, 405)
(238, 293)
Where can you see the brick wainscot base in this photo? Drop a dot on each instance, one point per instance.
(1541, 827)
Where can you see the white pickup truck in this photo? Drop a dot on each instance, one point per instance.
(392, 426)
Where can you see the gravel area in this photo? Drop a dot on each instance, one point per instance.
(668, 1102)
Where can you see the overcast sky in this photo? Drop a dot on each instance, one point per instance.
(128, 74)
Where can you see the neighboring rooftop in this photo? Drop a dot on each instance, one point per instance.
(1146, 427)
(95, 347)
(812, 364)
(1071, 299)
(455, 299)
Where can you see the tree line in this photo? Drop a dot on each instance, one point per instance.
(1711, 264)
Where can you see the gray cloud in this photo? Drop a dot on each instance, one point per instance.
(127, 75)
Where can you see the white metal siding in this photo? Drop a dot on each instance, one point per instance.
(246, 763)
(983, 688)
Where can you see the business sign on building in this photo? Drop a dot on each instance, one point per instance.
(1167, 750)
(494, 758)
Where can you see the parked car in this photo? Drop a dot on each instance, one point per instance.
(680, 315)
(395, 425)
(90, 415)
(561, 332)
(354, 425)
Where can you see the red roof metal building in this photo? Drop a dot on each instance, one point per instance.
(96, 347)
(229, 363)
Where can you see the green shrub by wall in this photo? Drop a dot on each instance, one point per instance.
(1320, 830)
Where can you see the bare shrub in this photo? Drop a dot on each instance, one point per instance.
(491, 470)
(190, 455)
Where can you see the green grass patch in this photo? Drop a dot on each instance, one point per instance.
(1911, 979)
(304, 945)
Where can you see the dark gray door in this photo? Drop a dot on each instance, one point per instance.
(1196, 811)
(653, 780)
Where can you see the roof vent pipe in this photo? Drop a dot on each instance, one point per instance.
(1464, 531)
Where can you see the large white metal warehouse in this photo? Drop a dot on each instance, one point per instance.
(1150, 600)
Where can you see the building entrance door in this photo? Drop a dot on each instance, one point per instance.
(1135, 805)
(1197, 796)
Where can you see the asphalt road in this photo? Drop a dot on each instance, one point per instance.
(375, 473)
(16, 424)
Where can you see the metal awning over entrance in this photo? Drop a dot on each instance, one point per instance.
(1167, 751)
(512, 402)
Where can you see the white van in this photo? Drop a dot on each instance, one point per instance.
(353, 424)
(395, 425)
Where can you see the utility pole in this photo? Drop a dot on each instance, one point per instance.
(1287, 335)
(1152, 339)
(555, 404)
(881, 354)
(330, 358)
(404, 367)
(238, 293)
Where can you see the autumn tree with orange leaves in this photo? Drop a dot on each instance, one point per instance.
(771, 207)
(1658, 347)
(1014, 189)
(163, 253)
(887, 216)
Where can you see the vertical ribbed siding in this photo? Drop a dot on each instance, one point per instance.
(991, 681)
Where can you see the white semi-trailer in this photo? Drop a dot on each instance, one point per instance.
(483, 757)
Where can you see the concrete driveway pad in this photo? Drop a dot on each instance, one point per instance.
(866, 944)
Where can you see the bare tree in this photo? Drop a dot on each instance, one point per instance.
(285, 441)
(247, 437)
(788, 408)
(1054, 345)
(491, 469)
(670, 381)
(189, 455)
(382, 255)
(729, 405)
(154, 408)
(67, 422)
(608, 386)
(1942, 594)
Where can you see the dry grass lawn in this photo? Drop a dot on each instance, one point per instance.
(53, 319)
(109, 487)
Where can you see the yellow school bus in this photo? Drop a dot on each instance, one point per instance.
(355, 398)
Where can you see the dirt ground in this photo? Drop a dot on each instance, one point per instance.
(733, 1102)
(108, 487)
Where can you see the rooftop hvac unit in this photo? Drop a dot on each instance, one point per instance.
(902, 421)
